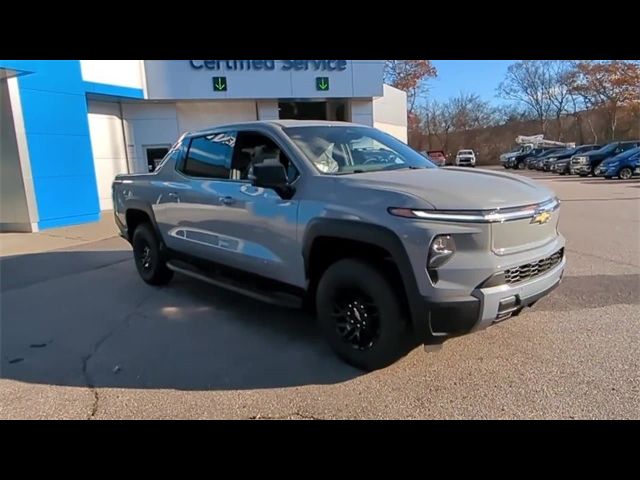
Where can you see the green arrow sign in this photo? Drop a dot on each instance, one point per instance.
(219, 84)
(322, 84)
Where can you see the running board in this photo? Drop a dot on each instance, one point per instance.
(281, 299)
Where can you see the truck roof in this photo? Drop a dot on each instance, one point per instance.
(277, 123)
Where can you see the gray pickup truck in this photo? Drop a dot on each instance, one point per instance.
(389, 250)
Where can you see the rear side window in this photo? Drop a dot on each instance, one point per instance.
(210, 156)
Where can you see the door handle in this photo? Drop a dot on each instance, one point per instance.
(174, 196)
(227, 200)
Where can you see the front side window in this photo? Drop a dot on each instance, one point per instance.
(210, 156)
(337, 150)
(252, 148)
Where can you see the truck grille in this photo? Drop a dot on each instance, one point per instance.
(534, 269)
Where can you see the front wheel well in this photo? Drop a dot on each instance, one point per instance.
(325, 251)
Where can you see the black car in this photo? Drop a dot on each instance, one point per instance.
(538, 164)
(519, 161)
(532, 161)
(585, 164)
(560, 163)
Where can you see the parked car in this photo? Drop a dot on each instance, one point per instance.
(514, 161)
(539, 163)
(622, 165)
(562, 161)
(438, 157)
(506, 157)
(465, 158)
(530, 159)
(389, 251)
(586, 163)
(519, 161)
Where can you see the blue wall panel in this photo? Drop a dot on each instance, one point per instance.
(54, 112)
(71, 196)
(54, 107)
(61, 155)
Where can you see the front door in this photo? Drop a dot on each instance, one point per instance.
(264, 223)
(213, 211)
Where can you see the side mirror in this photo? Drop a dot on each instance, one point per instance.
(271, 175)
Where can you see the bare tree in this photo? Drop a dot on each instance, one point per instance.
(469, 111)
(437, 121)
(503, 114)
(559, 93)
(529, 83)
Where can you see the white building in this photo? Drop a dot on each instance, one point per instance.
(70, 126)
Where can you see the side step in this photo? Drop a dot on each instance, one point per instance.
(281, 299)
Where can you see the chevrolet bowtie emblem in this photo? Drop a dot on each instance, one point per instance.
(540, 218)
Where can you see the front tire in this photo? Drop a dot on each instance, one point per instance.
(625, 174)
(360, 315)
(148, 257)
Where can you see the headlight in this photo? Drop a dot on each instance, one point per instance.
(441, 250)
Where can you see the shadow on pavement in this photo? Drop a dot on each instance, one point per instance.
(86, 319)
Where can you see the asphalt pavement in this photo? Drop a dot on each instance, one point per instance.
(81, 336)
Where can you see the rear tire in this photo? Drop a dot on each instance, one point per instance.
(360, 315)
(148, 257)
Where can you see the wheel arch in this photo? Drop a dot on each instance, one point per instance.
(370, 239)
(138, 212)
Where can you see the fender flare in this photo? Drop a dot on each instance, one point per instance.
(135, 204)
(378, 236)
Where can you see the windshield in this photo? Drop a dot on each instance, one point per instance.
(624, 155)
(341, 150)
(566, 151)
(606, 149)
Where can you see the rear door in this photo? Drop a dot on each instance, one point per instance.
(192, 212)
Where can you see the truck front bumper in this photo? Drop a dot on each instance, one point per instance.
(581, 169)
(500, 302)
(490, 305)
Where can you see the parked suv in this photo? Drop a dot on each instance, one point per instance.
(560, 162)
(465, 158)
(586, 164)
(387, 249)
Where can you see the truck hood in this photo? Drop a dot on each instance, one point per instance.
(456, 188)
(510, 155)
(595, 154)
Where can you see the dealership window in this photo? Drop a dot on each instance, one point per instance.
(210, 156)
(252, 148)
(154, 155)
